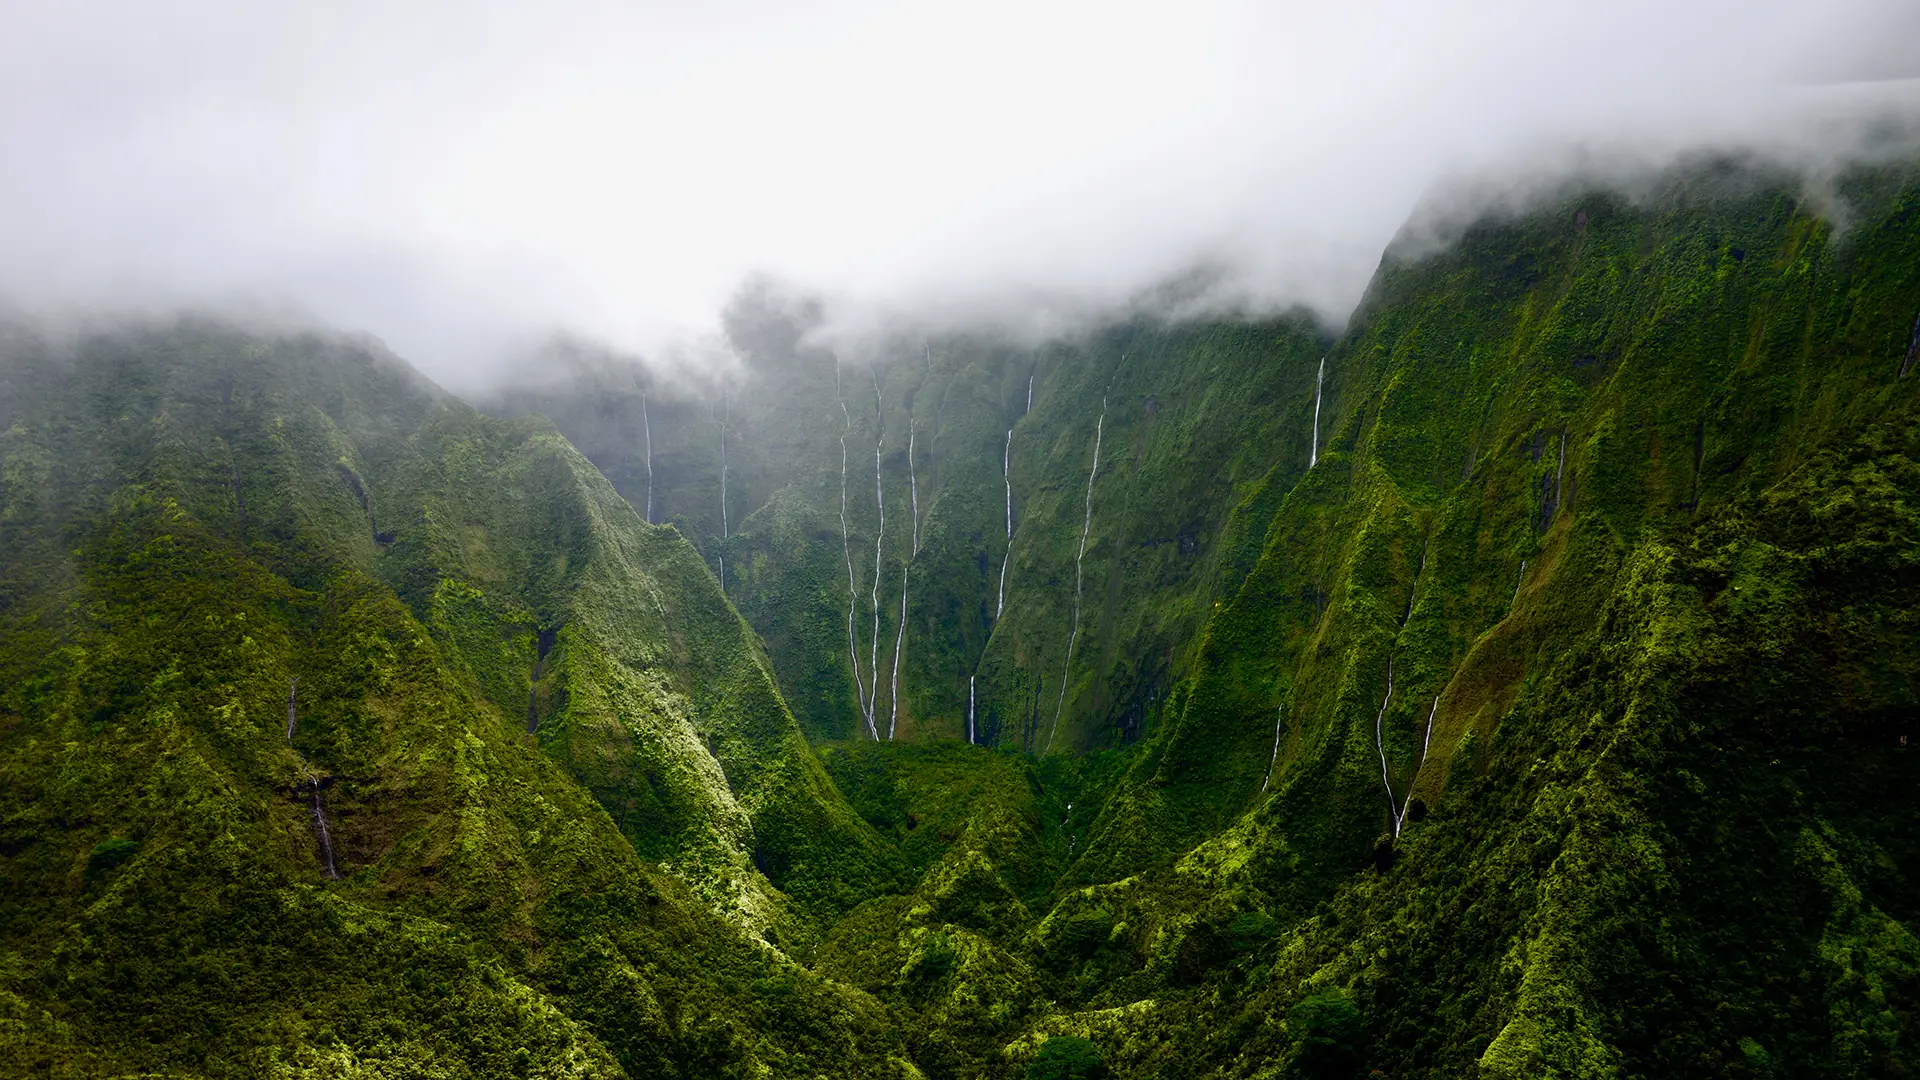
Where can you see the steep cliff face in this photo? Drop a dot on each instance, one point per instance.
(926, 539)
(1587, 622)
(336, 715)
(1590, 634)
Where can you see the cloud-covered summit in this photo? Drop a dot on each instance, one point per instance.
(455, 176)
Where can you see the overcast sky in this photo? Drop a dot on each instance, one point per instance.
(452, 175)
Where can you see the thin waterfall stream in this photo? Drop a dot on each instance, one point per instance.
(1424, 744)
(646, 427)
(325, 835)
(311, 783)
(846, 548)
(913, 485)
(1006, 476)
(1279, 721)
(1413, 593)
(879, 539)
(899, 642)
(1560, 472)
(970, 736)
(1313, 452)
(1379, 743)
(1079, 557)
(900, 635)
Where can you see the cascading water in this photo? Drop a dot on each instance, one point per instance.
(970, 736)
(846, 548)
(1517, 584)
(646, 427)
(900, 634)
(1380, 744)
(899, 642)
(1413, 593)
(312, 784)
(1006, 476)
(1086, 528)
(1279, 720)
(1313, 453)
(324, 835)
(1407, 804)
(879, 538)
(913, 485)
(1560, 472)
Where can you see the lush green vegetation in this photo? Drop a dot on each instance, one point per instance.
(1554, 723)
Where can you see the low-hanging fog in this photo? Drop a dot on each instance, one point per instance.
(455, 177)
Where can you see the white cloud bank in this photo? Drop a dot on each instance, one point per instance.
(450, 175)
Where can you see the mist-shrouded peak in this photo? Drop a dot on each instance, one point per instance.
(461, 179)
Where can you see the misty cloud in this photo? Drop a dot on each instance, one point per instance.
(460, 177)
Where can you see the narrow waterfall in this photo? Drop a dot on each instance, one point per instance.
(879, 538)
(1086, 527)
(913, 485)
(846, 549)
(646, 426)
(320, 830)
(1560, 471)
(899, 642)
(322, 833)
(1380, 744)
(1516, 586)
(1413, 593)
(1029, 393)
(1279, 720)
(900, 634)
(1407, 803)
(970, 737)
(1006, 476)
(1313, 453)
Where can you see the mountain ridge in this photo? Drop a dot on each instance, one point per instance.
(1511, 686)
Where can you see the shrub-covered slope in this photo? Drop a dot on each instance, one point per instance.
(341, 729)
(1558, 729)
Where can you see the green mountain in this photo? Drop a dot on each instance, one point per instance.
(1518, 682)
